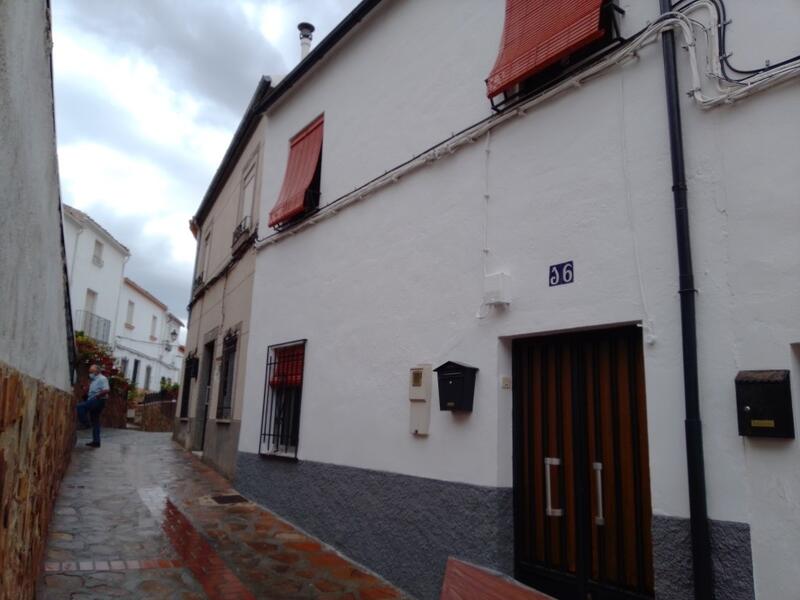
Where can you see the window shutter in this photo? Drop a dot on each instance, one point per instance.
(289, 368)
(304, 154)
(538, 33)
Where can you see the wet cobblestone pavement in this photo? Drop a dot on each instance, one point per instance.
(141, 518)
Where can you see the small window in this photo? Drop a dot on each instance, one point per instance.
(153, 328)
(97, 256)
(129, 315)
(227, 377)
(147, 374)
(248, 194)
(135, 374)
(123, 367)
(91, 301)
(207, 256)
(300, 191)
(284, 389)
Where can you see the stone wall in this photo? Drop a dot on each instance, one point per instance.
(37, 433)
(158, 416)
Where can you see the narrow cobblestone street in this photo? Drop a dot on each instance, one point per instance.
(141, 518)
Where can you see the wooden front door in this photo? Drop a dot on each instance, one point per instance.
(582, 508)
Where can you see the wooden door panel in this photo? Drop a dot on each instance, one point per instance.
(579, 402)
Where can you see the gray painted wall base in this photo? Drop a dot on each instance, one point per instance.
(219, 448)
(403, 528)
(182, 431)
(672, 559)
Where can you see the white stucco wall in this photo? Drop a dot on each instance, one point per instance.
(105, 279)
(136, 343)
(397, 279)
(33, 334)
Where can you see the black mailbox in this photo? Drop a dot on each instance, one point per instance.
(764, 404)
(456, 386)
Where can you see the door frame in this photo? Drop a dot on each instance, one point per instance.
(549, 580)
(204, 392)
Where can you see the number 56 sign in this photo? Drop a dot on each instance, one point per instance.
(561, 274)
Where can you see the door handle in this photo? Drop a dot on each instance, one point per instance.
(598, 477)
(548, 462)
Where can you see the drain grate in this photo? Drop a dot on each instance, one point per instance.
(229, 499)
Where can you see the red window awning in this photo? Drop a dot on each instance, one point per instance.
(304, 155)
(288, 368)
(538, 33)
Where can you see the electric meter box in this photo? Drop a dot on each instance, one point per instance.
(456, 386)
(419, 396)
(764, 404)
(497, 289)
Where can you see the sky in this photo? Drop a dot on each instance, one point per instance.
(148, 95)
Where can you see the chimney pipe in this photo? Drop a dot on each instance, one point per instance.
(306, 29)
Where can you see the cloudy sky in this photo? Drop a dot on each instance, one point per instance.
(148, 95)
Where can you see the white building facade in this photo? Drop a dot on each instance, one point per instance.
(538, 246)
(96, 266)
(147, 339)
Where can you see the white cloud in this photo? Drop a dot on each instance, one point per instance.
(160, 114)
(94, 176)
(148, 95)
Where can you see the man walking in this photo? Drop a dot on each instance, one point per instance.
(94, 404)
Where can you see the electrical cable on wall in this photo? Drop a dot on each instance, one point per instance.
(483, 309)
(647, 322)
(728, 91)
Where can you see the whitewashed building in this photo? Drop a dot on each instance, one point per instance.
(584, 206)
(225, 226)
(146, 344)
(96, 266)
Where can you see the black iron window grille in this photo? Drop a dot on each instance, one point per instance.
(227, 376)
(242, 230)
(283, 390)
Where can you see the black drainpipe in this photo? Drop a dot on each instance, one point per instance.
(701, 543)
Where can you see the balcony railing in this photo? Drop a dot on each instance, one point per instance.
(93, 326)
(241, 232)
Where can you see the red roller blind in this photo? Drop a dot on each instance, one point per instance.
(304, 153)
(538, 33)
(288, 369)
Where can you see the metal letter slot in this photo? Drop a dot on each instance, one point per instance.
(548, 462)
(598, 476)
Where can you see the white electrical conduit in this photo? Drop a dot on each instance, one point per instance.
(679, 21)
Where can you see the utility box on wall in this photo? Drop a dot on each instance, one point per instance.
(764, 404)
(419, 396)
(456, 386)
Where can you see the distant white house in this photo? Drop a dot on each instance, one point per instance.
(111, 309)
(95, 266)
(146, 343)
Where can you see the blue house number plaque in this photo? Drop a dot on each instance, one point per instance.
(561, 274)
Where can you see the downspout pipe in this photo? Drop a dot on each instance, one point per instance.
(698, 509)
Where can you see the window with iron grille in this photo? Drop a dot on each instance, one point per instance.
(283, 390)
(227, 376)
